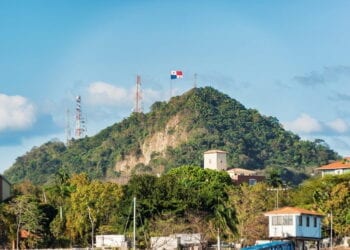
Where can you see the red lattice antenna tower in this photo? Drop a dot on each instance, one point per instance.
(79, 120)
(138, 95)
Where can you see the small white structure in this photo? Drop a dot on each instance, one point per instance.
(338, 167)
(111, 240)
(292, 222)
(177, 241)
(165, 242)
(215, 159)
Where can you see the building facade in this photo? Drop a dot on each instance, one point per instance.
(292, 222)
(338, 167)
(215, 160)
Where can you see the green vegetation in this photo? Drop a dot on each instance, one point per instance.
(187, 199)
(210, 119)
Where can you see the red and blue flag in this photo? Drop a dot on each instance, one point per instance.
(176, 74)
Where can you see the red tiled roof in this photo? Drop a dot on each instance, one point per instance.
(345, 163)
(292, 210)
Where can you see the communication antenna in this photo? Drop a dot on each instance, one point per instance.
(68, 128)
(138, 96)
(195, 80)
(79, 120)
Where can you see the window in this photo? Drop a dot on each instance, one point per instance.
(282, 220)
(307, 221)
(300, 220)
(252, 182)
(287, 220)
(315, 221)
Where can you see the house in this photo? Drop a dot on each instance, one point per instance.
(293, 222)
(240, 175)
(216, 160)
(5, 189)
(337, 167)
(178, 241)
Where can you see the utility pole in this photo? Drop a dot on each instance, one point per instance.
(92, 228)
(134, 231)
(331, 232)
(277, 191)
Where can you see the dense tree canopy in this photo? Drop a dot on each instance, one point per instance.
(212, 120)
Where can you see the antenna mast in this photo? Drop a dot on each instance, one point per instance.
(68, 129)
(195, 80)
(79, 120)
(138, 97)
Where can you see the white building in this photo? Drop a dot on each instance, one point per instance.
(177, 241)
(215, 159)
(338, 167)
(292, 222)
(111, 240)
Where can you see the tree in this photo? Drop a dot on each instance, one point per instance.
(250, 203)
(28, 217)
(92, 203)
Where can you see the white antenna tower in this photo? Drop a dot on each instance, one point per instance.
(79, 120)
(68, 129)
(138, 96)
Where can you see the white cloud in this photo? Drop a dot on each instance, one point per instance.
(304, 124)
(16, 112)
(101, 93)
(338, 125)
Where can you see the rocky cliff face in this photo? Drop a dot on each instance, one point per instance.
(172, 135)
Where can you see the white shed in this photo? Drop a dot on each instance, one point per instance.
(292, 222)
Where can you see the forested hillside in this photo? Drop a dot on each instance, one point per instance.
(173, 134)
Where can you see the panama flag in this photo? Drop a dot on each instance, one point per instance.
(175, 74)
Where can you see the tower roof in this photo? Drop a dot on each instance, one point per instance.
(215, 151)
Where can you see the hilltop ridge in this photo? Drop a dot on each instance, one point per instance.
(172, 134)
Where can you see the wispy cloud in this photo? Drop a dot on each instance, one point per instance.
(304, 124)
(106, 94)
(102, 93)
(328, 74)
(338, 125)
(341, 97)
(16, 113)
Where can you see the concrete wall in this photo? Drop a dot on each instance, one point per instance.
(5, 189)
(111, 240)
(165, 242)
(215, 160)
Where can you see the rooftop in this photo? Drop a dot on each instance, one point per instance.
(345, 163)
(215, 151)
(292, 210)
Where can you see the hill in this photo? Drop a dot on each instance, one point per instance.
(172, 134)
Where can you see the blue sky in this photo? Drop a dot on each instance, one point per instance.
(287, 59)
